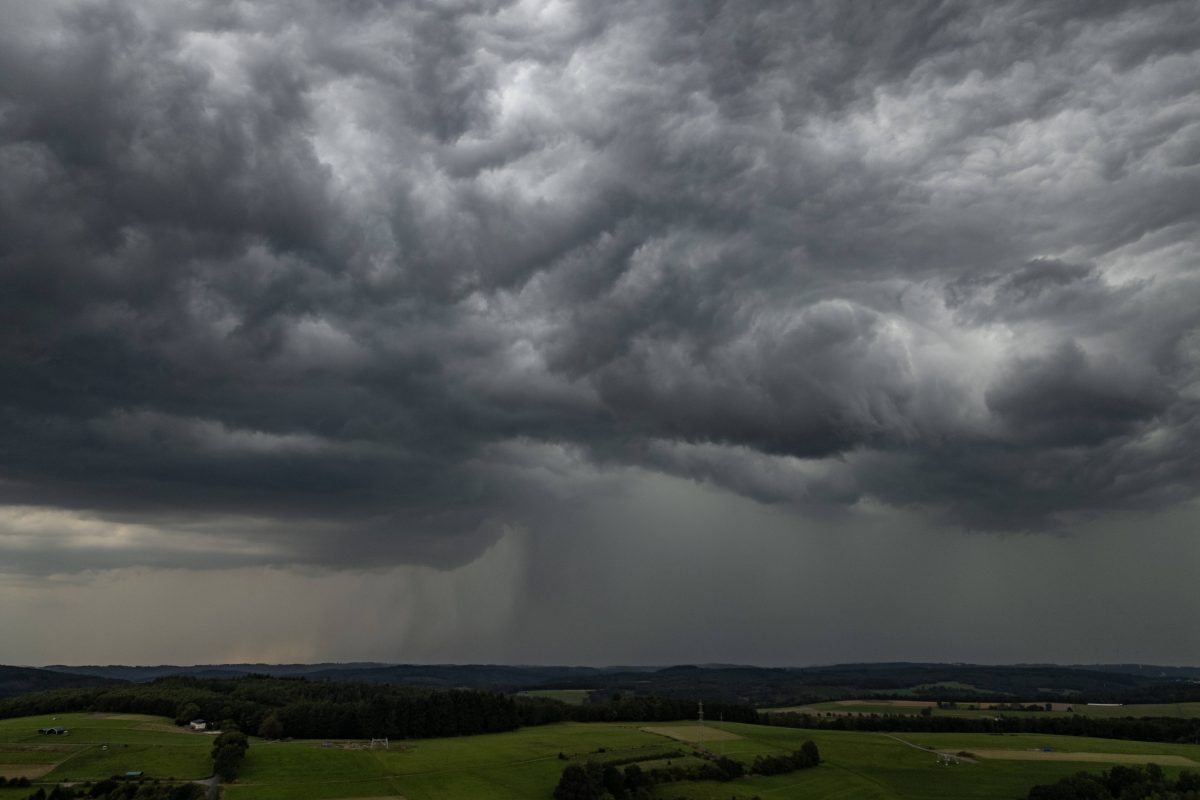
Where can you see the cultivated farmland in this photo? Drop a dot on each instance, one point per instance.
(526, 764)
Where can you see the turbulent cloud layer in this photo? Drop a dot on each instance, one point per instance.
(368, 283)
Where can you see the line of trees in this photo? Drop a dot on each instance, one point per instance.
(807, 756)
(1145, 729)
(1121, 783)
(292, 707)
(116, 789)
(627, 708)
(593, 781)
(278, 707)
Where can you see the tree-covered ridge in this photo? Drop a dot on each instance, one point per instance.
(760, 686)
(777, 686)
(1122, 783)
(20, 680)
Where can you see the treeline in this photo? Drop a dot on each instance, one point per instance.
(115, 789)
(628, 708)
(1146, 729)
(1182, 692)
(1122, 783)
(293, 707)
(592, 781)
(290, 707)
(807, 756)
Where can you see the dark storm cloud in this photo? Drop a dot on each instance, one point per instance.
(367, 282)
(1063, 399)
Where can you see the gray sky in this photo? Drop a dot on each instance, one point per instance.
(788, 332)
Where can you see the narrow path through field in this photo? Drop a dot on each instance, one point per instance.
(924, 749)
(76, 754)
(902, 741)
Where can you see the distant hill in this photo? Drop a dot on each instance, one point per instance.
(1146, 670)
(767, 686)
(760, 686)
(480, 676)
(149, 673)
(21, 680)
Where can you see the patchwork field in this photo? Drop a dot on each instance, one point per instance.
(526, 764)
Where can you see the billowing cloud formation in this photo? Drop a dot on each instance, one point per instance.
(366, 283)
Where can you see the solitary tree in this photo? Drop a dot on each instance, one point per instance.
(271, 727)
(228, 751)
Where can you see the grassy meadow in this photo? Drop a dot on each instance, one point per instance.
(100, 745)
(525, 764)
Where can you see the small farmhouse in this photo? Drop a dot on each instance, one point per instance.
(198, 724)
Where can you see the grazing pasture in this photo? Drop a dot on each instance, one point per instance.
(100, 745)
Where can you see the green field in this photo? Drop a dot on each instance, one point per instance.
(525, 764)
(101, 745)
